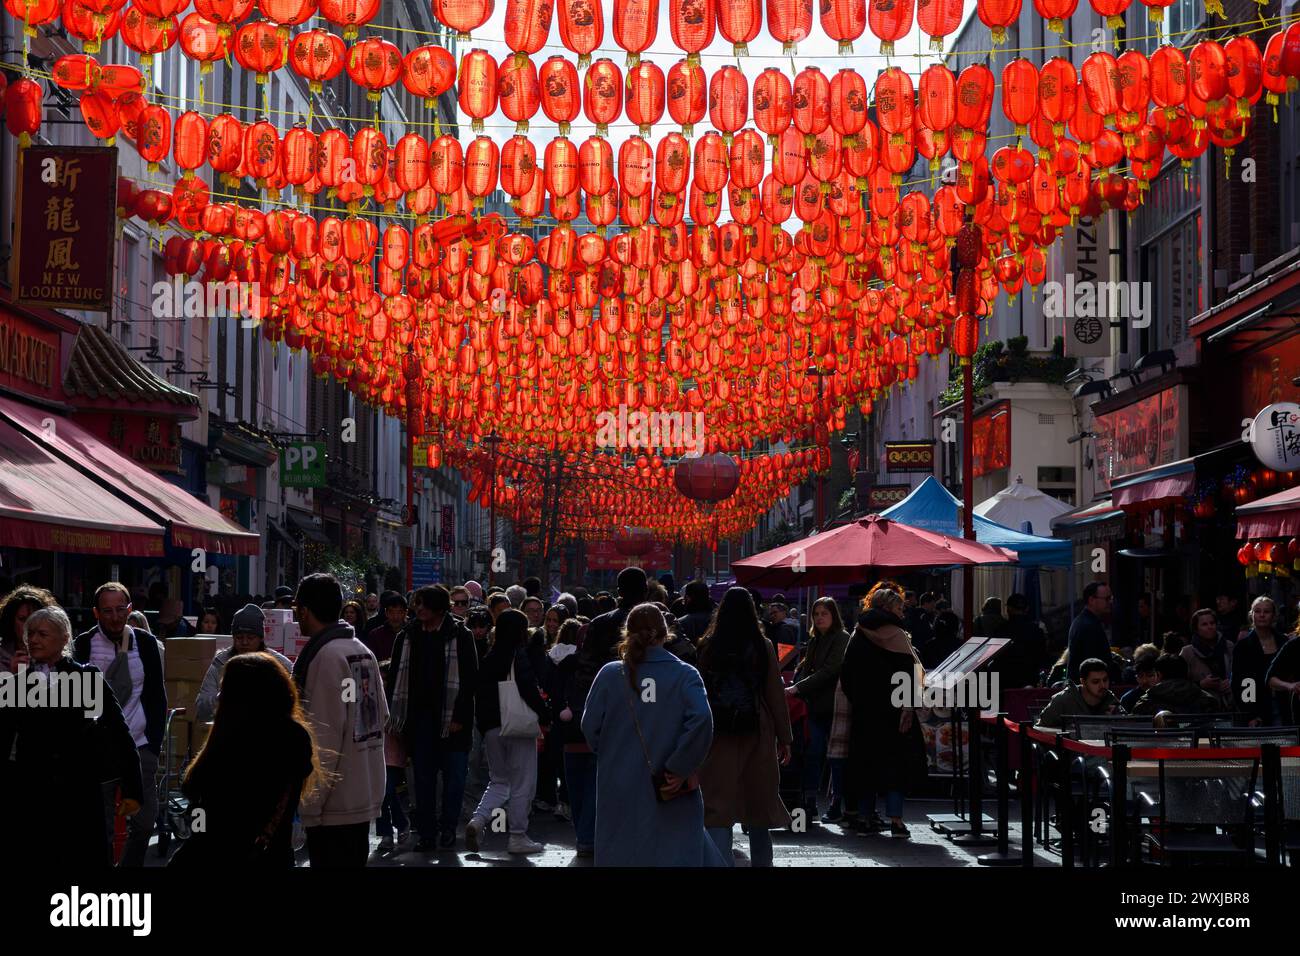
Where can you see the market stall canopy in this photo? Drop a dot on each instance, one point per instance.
(192, 523)
(1014, 505)
(48, 505)
(1094, 513)
(1154, 486)
(932, 507)
(873, 545)
(1277, 516)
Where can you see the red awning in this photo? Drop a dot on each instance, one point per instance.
(1277, 516)
(48, 505)
(1155, 485)
(191, 522)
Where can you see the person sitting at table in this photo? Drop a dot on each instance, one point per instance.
(1174, 692)
(1144, 673)
(1090, 697)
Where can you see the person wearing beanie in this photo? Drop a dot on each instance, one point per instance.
(249, 637)
(475, 590)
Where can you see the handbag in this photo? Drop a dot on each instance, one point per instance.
(658, 779)
(517, 718)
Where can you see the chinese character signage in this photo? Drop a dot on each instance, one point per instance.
(66, 199)
(1142, 435)
(603, 555)
(881, 497)
(991, 440)
(447, 541)
(1277, 436)
(302, 465)
(909, 456)
(148, 440)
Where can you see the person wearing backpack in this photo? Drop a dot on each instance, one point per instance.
(751, 729)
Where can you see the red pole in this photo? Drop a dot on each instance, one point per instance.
(410, 516)
(967, 493)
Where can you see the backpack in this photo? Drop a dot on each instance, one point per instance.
(733, 700)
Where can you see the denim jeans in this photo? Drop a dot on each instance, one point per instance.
(893, 803)
(760, 845)
(815, 757)
(391, 814)
(580, 781)
(430, 756)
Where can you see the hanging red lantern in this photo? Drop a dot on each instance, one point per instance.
(1112, 11)
(997, 15)
(225, 15)
(190, 142)
(602, 94)
(33, 13)
(848, 103)
(99, 113)
(317, 56)
(788, 22)
(686, 95)
(89, 25)
(890, 21)
(463, 16)
(203, 40)
(148, 35)
(938, 19)
(527, 25)
(428, 72)
(1020, 93)
(582, 27)
(635, 24)
(375, 64)
(773, 103)
(287, 13)
(260, 48)
(561, 101)
(154, 139)
(1056, 12)
(477, 88)
(692, 23)
(739, 22)
(645, 95)
(349, 14)
(728, 101)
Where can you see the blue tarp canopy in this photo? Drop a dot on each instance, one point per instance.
(931, 507)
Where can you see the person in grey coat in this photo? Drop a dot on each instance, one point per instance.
(248, 633)
(648, 715)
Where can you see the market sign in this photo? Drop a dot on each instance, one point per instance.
(302, 465)
(991, 440)
(66, 201)
(880, 497)
(1142, 435)
(29, 357)
(902, 456)
(1276, 436)
(149, 440)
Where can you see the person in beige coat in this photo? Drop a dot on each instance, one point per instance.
(740, 779)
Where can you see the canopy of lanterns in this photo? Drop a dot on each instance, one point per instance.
(823, 286)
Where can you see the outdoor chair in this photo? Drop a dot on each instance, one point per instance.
(1206, 811)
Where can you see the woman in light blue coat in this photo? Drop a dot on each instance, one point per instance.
(648, 716)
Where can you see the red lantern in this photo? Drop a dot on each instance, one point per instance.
(463, 16)
(582, 27)
(635, 24)
(260, 48)
(560, 99)
(428, 72)
(848, 103)
(739, 22)
(773, 103)
(708, 479)
(789, 21)
(527, 25)
(224, 14)
(478, 87)
(1020, 93)
(645, 95)
(518, 166)
(518, 91)
(890, 20)
(349, 14)
(317, 56)
(728, 101)
(692, 23)
(376, 65)
(203, 40)
(154, 139)
(148, 35)
(939, 18)
(602, 94)
(287, 13)
(1056, 12)
(686, 95)
(99, 114)
(997, 15)
(482, 160)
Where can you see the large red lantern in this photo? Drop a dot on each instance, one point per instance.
(939, 18)
(203, 40)
(773, 103)
(890, 20)
(582, 27)
(376, 65)
(739, 22)
(998, 15)
(317, 56)
(260, 48)
(428, 72)
(708, 479)
(602, 94)
(687, 90)
(635, 24)
(349, 14)
(463, 16)
(518, 92)
(645, 95)
(527, 25)
(561, 101)
(789, 21)
(477, 88)
(692, 23)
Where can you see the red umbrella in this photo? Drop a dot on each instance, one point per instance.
(854, 552)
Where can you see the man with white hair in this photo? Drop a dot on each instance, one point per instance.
(517, 593)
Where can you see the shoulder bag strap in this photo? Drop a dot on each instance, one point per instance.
(645, 751)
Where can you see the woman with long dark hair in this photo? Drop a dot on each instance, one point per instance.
(259, 761)
(815, 680)
(886, 751)
(647, 720)
(751, 729)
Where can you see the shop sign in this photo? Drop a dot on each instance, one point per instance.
(991, 440)
(426, 568)
(447, 539)
(603, 555)
(148, 440)
(66, 200)
(302, 465)
(1267, 375)
(903, 456)
(29, 357)
(1139, 436)
(880, 497)
(1276, 436)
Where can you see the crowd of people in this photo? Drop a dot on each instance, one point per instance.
(652, 722)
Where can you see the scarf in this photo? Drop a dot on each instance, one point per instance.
(451, 683)
(885, 631)
(1215, 657)
(118, 674)
(401, 691)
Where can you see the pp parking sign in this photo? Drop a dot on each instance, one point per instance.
(302, 465)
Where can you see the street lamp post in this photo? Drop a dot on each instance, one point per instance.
(492, 440)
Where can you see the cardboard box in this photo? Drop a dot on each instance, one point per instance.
(185, 669)
(192, 648)
(294, 641)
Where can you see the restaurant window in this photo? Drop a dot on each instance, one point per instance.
(1171, 267)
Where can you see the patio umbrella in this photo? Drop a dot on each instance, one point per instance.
(1019, 503)
(854, 552)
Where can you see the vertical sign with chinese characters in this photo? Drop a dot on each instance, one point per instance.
(66, 199)
(447, 540)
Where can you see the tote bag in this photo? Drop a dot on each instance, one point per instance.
(517, 718)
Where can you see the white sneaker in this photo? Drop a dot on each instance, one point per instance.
(473, 830)
(520, 844)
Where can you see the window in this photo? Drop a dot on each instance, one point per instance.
(1180, 18)
(1171, 267)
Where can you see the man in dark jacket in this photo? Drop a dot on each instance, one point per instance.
(132, 667)
(1175, 693)
(441, 678)
(919, 617)
(698, 611)
(1087, 631)
(1088, 698)
(1020, 663)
